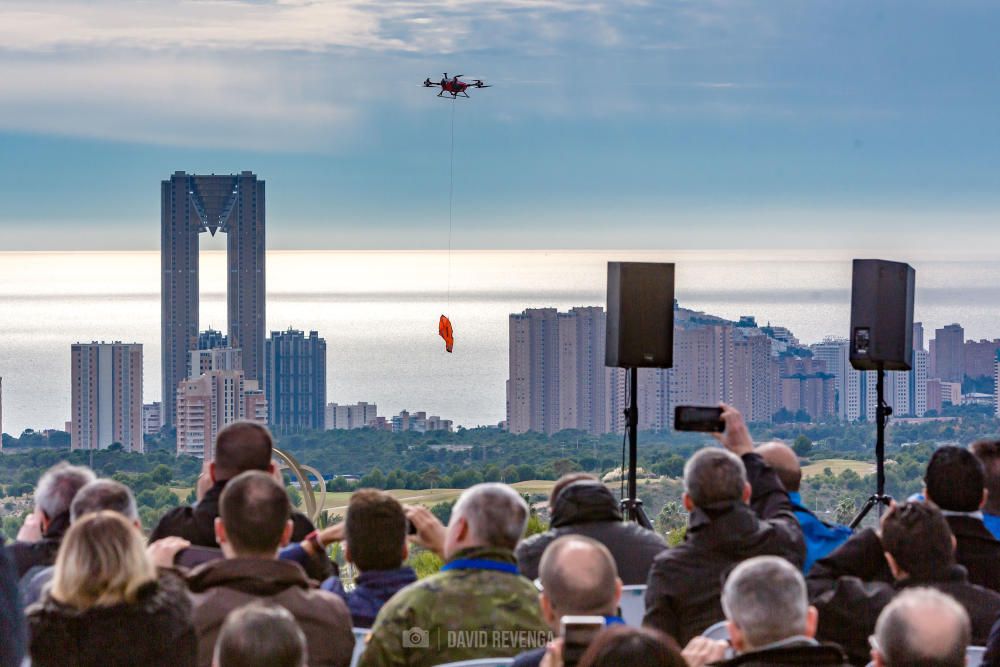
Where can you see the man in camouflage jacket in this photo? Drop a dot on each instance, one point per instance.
(478, 606)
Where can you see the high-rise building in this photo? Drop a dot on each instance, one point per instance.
(106, 395)
(752, 382)
(214, 395)
(934, 396)
(192, 204)
(918, 335)
(152, 418)
(210, 339)
(996, 386)
(896, 393)
(296, 380)
(215, 359)
(211, 401)
(980, 357)
(703, 363)
(346, 417)
(918, 383)
(557, 375)
(949, 353)
(582, 385)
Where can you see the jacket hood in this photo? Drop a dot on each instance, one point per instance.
(583, 502)
(166, 591)
(254, 576)
(728, 527)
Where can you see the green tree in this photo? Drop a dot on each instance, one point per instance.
(161, 474)
(671, 517)
(373, 480)
(845, 510)
(564, 466)
(424, 563)
(294, 496)
(526, 472)
(442, 511)
(802, 445)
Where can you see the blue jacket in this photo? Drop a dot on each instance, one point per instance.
(821, 538)
(372, 591)
(992, 522)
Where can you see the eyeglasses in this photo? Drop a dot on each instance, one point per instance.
(873, 643)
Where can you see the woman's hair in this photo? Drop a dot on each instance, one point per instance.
(636, 647)
(101, 562)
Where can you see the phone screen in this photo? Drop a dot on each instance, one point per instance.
(577, 633)
(697, 418)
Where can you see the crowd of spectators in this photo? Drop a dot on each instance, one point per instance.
(240, 579)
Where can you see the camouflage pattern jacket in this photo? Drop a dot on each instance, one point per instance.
(459, 614)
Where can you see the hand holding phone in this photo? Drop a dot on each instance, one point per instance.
(577, 633)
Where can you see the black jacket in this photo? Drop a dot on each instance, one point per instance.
(196, 523)
(28, 555)
(686, 581)
(849, 602)
(976, 550)
(791, 654)
(11, 615)
(155, 631)
(589, 508)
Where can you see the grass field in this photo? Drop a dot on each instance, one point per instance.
(336, 503)
(837, 466)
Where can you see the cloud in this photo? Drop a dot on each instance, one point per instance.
(299, 25)
(177, 100)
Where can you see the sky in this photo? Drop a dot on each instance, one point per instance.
(610, 124)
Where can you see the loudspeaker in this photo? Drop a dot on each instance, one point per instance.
(640, 315)
(882, 315)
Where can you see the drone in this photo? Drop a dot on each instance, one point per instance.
(455, 86)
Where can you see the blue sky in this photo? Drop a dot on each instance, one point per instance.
(695, 124)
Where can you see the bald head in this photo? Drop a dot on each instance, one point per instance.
(922, 626)
(579, 577)
(785, 462)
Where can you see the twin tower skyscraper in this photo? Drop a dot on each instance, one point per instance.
(192, 204)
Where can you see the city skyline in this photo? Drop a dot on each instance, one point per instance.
(375, 309)
(855, 398)
(690, 125)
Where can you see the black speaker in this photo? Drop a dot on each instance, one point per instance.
(640, 315)
(882, 315)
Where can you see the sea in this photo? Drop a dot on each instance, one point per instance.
(379, 310)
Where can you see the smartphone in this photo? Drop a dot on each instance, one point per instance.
(410, 528)
(194, 556)
(577, 633)
(697, 418)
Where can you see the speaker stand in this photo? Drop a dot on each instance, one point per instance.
(631, 505)
(882, 412)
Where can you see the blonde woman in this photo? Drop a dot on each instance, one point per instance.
(107, 606)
